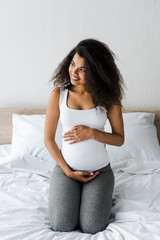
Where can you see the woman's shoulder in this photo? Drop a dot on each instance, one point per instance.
(58, 90)
(57, 93)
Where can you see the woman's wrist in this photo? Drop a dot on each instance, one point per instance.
(68, 172)
(92, 133)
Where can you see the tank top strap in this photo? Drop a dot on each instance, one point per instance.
(63, 95)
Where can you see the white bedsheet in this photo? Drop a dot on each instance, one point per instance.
(24, 203)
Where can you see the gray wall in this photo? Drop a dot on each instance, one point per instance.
(35, 35)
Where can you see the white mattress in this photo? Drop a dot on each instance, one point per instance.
(24, 203)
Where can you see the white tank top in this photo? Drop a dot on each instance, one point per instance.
(88, 155)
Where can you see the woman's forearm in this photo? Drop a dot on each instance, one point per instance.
(107, 138)
(56, 154)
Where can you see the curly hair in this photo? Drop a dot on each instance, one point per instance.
(103, 79)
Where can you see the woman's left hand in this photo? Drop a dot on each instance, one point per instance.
(78, 134)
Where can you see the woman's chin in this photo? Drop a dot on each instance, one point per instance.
(74, 82)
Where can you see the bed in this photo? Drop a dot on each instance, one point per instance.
(26, 165)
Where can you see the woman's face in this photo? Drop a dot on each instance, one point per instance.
(77, 70)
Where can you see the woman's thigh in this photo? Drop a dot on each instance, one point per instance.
(96, 202)
(64, 201)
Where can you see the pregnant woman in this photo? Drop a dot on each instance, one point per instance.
(88, 90)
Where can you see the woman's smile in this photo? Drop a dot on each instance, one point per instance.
(75, 79)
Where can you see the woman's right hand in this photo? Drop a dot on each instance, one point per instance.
(82, 176)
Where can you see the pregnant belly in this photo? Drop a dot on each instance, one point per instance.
(89, 155)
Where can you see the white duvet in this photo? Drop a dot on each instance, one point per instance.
(24, 202)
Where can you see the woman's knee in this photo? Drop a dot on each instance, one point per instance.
(94, 219)
(92, 228)
(62, 224)
(63, 215)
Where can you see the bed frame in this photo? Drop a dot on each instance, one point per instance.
(6, 121)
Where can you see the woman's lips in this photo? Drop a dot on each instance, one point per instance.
(75, 79)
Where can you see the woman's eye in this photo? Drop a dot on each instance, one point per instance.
(73, 65)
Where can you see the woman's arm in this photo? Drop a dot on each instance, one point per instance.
(82, 133)
(117, 136)
(51, 121)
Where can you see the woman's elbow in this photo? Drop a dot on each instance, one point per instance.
(47, 141)
(121, 141)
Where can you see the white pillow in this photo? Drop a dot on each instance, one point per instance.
(28, 137)
(141, 140)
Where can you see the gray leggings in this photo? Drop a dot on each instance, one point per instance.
(75, 204)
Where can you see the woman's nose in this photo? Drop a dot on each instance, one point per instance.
(75, 71)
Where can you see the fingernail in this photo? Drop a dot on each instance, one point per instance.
(91, 173)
